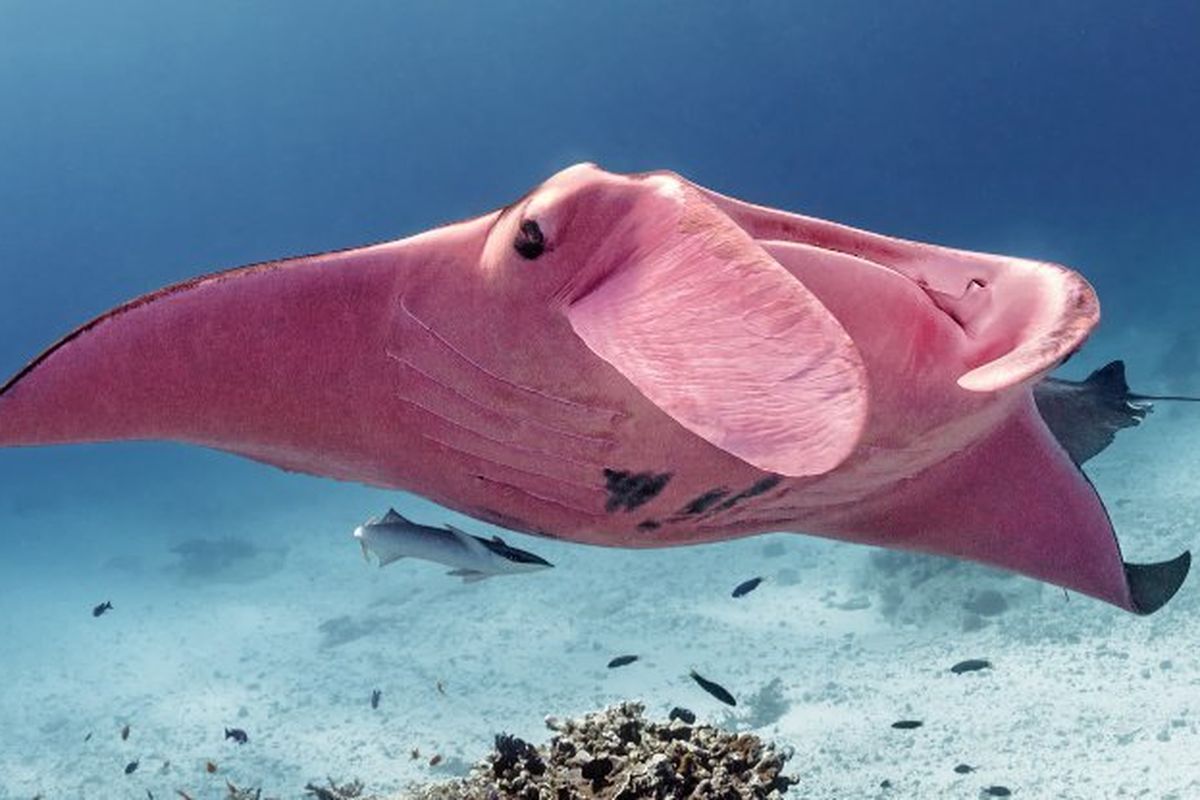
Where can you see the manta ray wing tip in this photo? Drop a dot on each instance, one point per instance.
(1152, 585)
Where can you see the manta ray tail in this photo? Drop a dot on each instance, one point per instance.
(1084, 416)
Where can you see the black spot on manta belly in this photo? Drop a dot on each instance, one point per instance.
(649, 525)
(761, 486)
(704, 501)
(628, 490)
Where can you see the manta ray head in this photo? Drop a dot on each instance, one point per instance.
(566, 236)
(683, 304)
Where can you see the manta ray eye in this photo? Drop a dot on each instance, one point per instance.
(530, 242)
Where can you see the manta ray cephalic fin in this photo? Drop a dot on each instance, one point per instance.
(716, 333)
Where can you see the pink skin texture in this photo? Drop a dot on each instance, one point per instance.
(662, 366)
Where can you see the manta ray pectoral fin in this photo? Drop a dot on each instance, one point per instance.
(716, 333)
(1152, 585)
(1015, 500)
(240, 361)
(384, 561)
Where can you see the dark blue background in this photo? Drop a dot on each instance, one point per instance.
(145, 142)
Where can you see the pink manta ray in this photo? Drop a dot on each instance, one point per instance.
(637, 361)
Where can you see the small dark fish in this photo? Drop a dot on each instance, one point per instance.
(88, 738)
(907, 724)
(210, 767)
(746, 587)
(150, 794)
(131, 767)
(375, 695)
(235, 792)
(125, 733)
(715, 689)
(964, 769)
(237, 734)
(415, 753)
(997, 791)
(433, 762)
(100, 609)
(971, 665)
(441, 687)
(682, 714)
(621, 661)
(183, 794)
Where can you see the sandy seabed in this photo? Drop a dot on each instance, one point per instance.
(288, 642)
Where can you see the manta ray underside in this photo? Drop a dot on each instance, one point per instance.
(638, 361)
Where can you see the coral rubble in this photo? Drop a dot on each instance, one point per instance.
(617, 754)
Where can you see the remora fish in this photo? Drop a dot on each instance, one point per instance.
(393, 537)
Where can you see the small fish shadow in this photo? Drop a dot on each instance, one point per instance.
(227, 560)
(342, 630)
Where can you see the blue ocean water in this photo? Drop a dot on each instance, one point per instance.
(142, 143)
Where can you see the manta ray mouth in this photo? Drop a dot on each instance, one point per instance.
(1022, 317)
